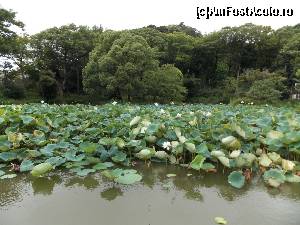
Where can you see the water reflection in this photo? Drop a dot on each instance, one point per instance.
(155, 177)
(44, 185)
(89, 182)
(111, 193)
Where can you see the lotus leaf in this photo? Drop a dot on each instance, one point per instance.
(236, 179)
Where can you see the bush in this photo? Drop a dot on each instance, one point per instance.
(48, 86)
(13, 89)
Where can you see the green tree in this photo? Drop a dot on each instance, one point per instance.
(164, 85)
(64, 50)
(121, 69)
(8, 34)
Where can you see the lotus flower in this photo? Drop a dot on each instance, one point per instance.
(166, 145)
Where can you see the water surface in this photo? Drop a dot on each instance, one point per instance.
(64, 199)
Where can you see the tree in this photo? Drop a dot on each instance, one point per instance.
(258, 86)
(48, 85)
(65, 52)
(8, 35)
(164, 85)
(120, 69)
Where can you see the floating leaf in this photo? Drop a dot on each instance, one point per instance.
(274, 177)
(220, 220)
(8, 176)
(171, 175)
(85, 172)
(236, 179)
(292, 178)
(129, 178)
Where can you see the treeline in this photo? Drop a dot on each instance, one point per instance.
(151, 64)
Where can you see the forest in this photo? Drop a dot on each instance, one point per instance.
(172, 63)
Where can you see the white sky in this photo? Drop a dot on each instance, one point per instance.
(123, 14)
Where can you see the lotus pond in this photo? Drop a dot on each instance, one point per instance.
(237, 144)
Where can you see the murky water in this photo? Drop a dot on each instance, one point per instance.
(63, 199)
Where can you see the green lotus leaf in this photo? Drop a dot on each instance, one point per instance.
(101, 166)
(128, 178)
(8, 156)
(231, 143)
(224, 160)
(217, 153)
(85, 172)
(220, 220)
(151, 139)
(48, 150)
(207, 166)
(145, 154)
(236, 179)
(276, 158)
(202, 149)
(4, 143)
(2, 173)
(88, 147)
(71, 156)
(292, 178)
(161, 155)
(56, 161)
(41, 169)
(119, 157)
(27, 119)
(190, 147)
(197, 162)
(8, 176)
(239, 131)
(264, 160)
(273, 134)
(33, 153)
(274, 177)
(287, 165)
(26, 165)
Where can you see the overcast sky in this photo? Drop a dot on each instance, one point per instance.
(123, 14)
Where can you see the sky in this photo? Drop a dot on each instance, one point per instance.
(39, 15)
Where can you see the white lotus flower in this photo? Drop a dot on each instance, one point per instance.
(166, 145)
(42, 101)
(172, 103)
(192, 113)
(267, 105)
(221, 103)
(251, 103)
(114, 103)
(162, 111)
(156, 104)
(178, 115)
(242, 102)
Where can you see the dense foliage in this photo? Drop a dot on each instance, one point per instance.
(246, 140)
(130, 64)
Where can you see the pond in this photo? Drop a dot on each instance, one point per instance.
(189, 198)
